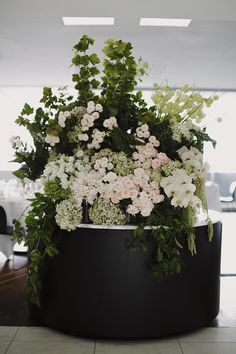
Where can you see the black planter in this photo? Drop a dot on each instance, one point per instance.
(96, 288)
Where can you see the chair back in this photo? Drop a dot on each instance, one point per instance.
(3, 221)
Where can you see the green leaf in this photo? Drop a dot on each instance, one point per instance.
(94, 59)
(27, 110)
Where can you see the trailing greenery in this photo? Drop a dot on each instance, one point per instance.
(40, 239)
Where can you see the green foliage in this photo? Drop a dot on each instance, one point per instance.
(33, 163)
(85, 81)
(27, 110)
(54, 191)
(167, 260)
(122, 141)
(121, 72)
(40, 239)
(201, 137)
(210, 229)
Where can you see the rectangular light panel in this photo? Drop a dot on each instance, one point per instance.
(88, 21)
(169, 22)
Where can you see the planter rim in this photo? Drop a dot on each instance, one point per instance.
(214, 215)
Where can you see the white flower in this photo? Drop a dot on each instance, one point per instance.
(180, 188)
(16, 142)
(143, 131)
(104, 162)
(146, 211)
(90, 107)
(52, 139)
(62, 118)
(139, 132)
(68, 215)
(95, 115)
(110, 123)
(153, 140)
(146, 134)
(98, 107)
(110, 166)
(83, 137)
(139, 172)
(144, 127)
(132, 209)
(110, 176)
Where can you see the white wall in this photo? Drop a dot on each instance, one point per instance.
(12, 100)
(223, 157)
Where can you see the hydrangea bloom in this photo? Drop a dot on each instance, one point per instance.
(68, 215)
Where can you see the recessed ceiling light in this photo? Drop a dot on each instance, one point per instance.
(91, 21)
(171, 22)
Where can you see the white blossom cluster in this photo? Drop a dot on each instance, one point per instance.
(103, 180)
(106, 213)
(86, 186)
(110, 123)
(106, 179)
(62, 117)
(63, 168)
(142, 192)
(92, 113)
(182, 130)
(102, 165)
(179, 187)
(97, 139)
(142, 132)
(193, 160)
(68, 215)
(148, 157)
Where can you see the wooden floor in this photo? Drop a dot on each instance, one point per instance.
(13, 301)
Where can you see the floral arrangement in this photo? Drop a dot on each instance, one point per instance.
(106, 157)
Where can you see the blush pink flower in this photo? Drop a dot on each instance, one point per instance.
(132, 209)
(156, 163)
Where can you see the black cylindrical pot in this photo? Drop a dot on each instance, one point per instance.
(96, 288)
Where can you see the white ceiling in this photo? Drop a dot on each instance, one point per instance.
(35, 46)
